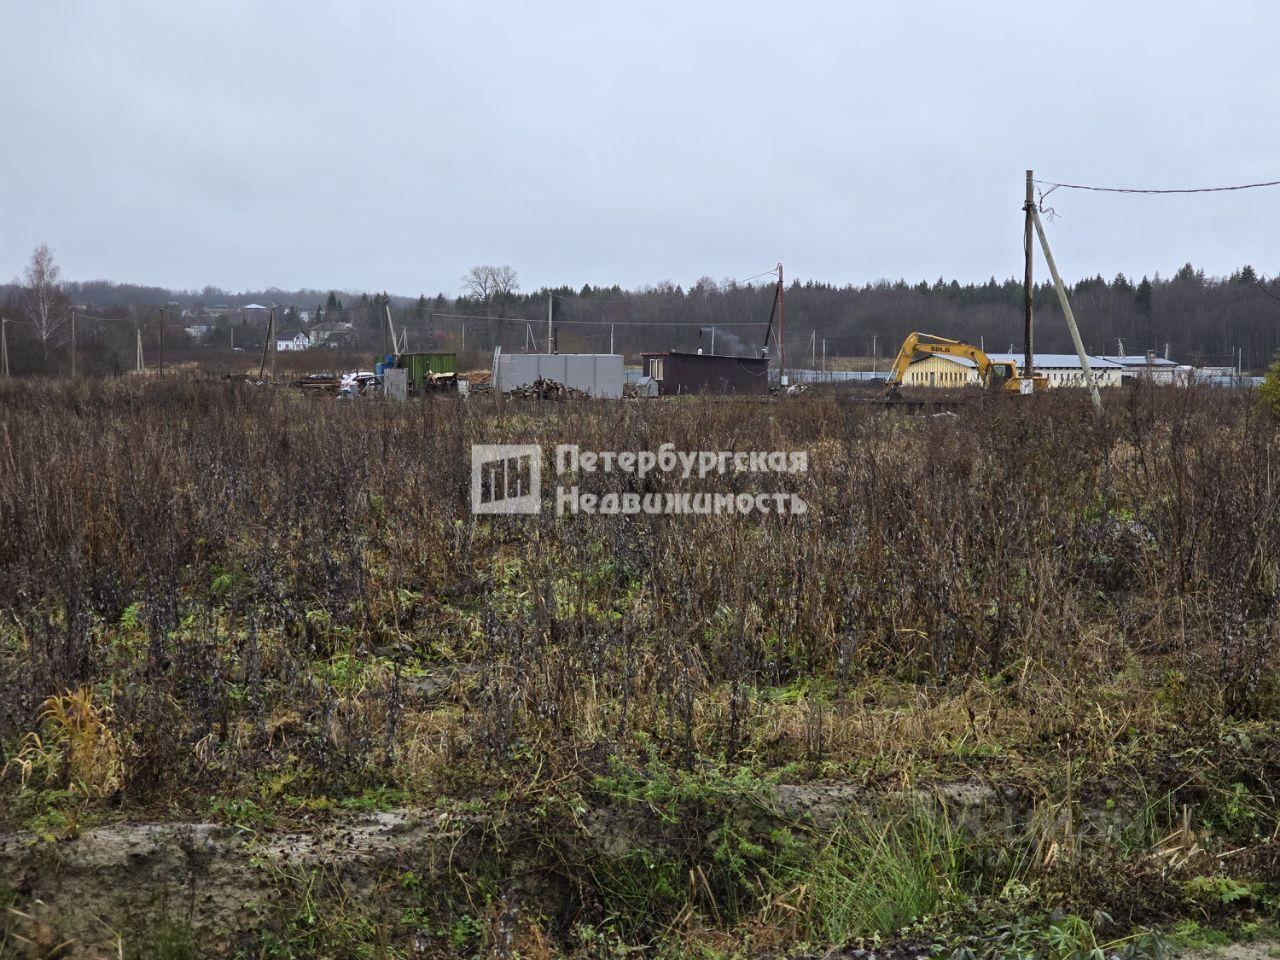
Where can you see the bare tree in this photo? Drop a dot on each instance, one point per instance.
(44, 300)
(487, 283)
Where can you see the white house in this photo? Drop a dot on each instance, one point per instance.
(293, 340)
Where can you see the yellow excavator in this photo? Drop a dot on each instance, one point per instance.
(993, 374)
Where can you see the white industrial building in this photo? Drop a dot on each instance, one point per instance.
(1147, 367)
(1061, 369)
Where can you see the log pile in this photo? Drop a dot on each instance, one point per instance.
(322, 383)
(547, 389)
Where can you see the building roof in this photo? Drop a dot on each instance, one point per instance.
(962, 361)
(1140, 360)
(702, 356)
(1053, 361)
(1043, 361)
(291, 335)
(253, 306)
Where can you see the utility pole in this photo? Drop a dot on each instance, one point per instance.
(1028, 360)
(398, 345)
(73, 344)
(824, 355)
(551, 300)
(4, 346)
(161, 339)
(713, 340)
(611, 340)
(1066, 310)
(268, 346)
(813, 348)
(782, 343)
(138, 367)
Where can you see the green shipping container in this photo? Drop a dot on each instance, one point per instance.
(420, 365)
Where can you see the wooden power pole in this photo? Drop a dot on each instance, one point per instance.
(1085, 369)
(4, 346)
(782, 343)
(1028, 362)
(269, 346)
(396, 347)
(73, 344)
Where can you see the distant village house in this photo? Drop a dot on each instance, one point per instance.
(292, 340)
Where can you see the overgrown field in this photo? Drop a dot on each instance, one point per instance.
(1008, 687)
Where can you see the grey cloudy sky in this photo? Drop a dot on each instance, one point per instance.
(393, 144)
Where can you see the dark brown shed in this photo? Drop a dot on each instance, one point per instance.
(679, 373)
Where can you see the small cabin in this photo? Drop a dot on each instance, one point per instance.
(678, 373)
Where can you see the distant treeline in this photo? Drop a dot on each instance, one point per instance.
(1196, 318)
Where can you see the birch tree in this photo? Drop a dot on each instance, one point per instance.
(45, 303)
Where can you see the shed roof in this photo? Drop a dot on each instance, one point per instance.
(703, 356)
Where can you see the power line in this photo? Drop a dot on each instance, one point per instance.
(85, 316)
(725, 285)
(1265, 280)
(470, 316)
(666, 323)
(609, 323)
(1079, 186)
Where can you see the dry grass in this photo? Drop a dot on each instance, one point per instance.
(76, 748)
(287, 600)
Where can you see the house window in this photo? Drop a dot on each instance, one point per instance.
(655, 368)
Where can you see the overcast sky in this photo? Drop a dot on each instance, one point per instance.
(391, 145)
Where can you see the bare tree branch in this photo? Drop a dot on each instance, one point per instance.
(487, 283)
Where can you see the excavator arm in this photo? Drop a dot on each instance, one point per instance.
(992, 374)
(929, 343)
